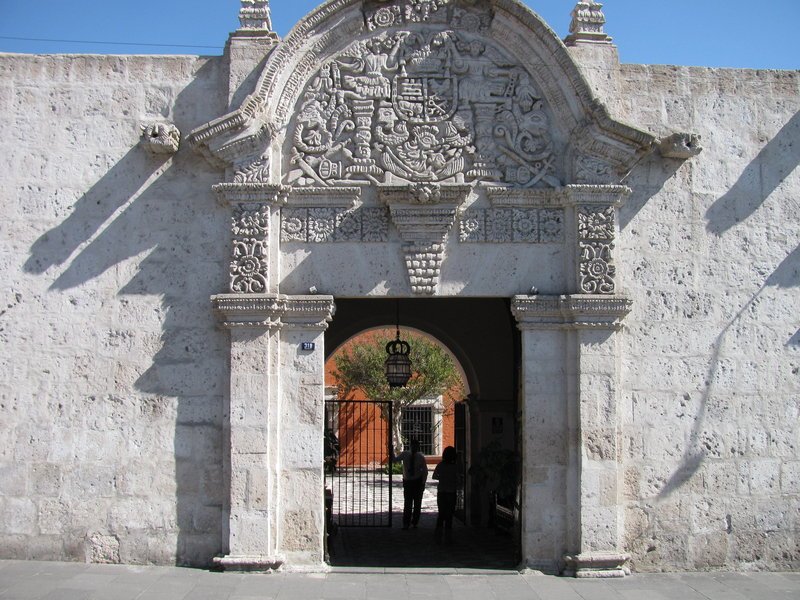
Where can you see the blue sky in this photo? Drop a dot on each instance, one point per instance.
(717, 33)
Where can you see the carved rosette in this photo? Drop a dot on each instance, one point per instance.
(596, 232)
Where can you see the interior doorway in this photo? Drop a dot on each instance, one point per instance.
(482, 424)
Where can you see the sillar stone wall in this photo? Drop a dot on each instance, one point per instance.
(711, 255)
(112, 372)
(111, 385)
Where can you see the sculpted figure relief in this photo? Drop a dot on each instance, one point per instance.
(425, 98)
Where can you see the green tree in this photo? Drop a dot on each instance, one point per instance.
(360, 366)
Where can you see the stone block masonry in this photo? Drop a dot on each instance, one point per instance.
(111, 401)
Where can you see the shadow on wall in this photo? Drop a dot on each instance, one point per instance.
(762, 176)
(786, 275)
(164, 208)
(646, 179)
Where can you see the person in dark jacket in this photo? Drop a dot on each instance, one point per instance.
(447, 474)
(415, 474)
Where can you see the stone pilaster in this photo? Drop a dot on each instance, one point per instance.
(247, 48)
(572, 497)
(261, 462)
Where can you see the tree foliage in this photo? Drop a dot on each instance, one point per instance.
(360, 366)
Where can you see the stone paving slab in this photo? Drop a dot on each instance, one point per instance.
(21, 580)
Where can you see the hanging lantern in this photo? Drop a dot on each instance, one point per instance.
(398, 364)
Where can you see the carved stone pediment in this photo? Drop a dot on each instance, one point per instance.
(442, 91)
(423, 104)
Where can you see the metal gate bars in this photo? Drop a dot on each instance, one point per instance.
(358, 465)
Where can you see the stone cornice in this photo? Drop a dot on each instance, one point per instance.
(231, 193)
(604, 195)
(337, 197)
(501, 197)
(273, 311)
(570, 312)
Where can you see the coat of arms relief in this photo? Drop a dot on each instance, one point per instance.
(425, 96)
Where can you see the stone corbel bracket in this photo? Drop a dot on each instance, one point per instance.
(160, 138)
(273, 311)
(423, 215)
(681, 146)
(571, 312)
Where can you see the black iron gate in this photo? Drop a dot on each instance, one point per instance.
(461, 431)
(358, 465)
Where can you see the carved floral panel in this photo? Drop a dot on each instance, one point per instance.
(249, 268)
(320, 225)
(519, 225)
(596, 233)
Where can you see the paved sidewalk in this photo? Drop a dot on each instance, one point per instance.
(75, 581)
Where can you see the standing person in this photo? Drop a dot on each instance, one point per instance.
(446, 473)
(415, 474)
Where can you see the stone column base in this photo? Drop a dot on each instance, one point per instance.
(256, 563)
(597, 565)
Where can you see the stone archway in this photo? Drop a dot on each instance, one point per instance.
(379, 157)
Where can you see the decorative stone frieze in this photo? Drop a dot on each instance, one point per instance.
(588, 22)
(470, 16)
(519, 225)
(682, 146)
(272, 311)
(335, 224)
(160, 138)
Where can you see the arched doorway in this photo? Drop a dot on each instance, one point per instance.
(486, 352)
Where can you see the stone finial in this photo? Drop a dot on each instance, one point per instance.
(254, 16)
(587, 24)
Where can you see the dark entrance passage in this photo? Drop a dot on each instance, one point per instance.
(482, 336)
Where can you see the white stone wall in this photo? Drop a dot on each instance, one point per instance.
(710, 253)
(113, 376)
(112, 371)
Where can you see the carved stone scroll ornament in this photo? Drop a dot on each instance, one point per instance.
(596, 232)
(160, 138)
(422, 105)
